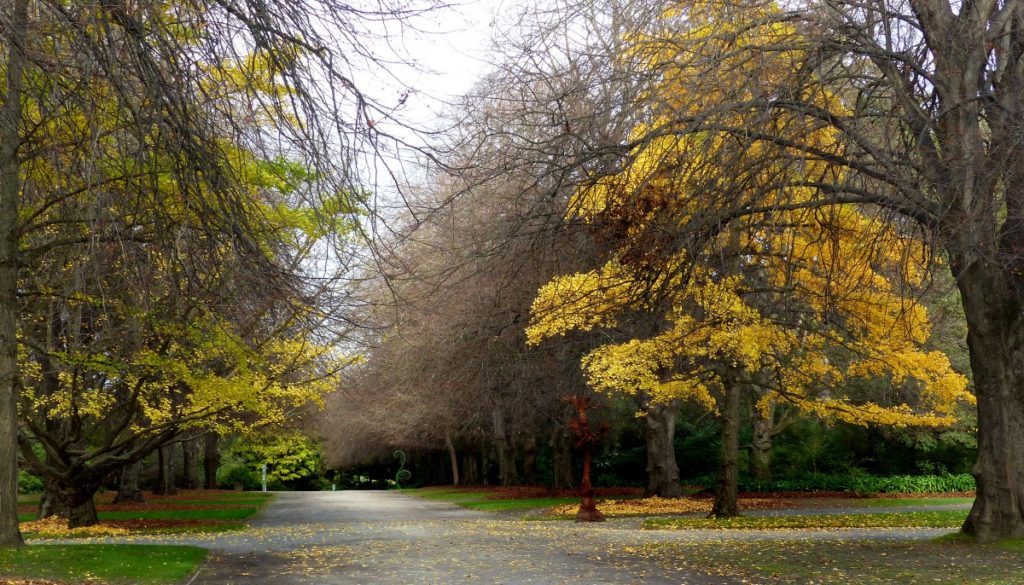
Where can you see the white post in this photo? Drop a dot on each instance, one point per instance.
(264, 477)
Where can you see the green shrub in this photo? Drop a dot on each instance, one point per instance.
(854, 482)
(240, 473)
(28, 483)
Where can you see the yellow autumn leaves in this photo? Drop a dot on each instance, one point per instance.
(813, 304)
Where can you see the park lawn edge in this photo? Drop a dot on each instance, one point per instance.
(109, 564)
(923, 519)
(231, 518)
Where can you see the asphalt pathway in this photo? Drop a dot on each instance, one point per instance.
(364, 537)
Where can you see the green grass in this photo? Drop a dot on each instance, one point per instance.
(480, 500)
(931, 519)
(523, 504)
(901, 502)
(224, 502)
(210, 514)
(110, 563)
(448, 495)
(849, 562)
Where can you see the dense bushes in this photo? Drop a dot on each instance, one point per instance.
(856, 483)
(29, 484)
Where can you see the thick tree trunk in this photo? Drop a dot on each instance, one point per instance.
(659, 435)
(453, 458)
(726, 487)
(81, 505)
(995, 340)
(190, 464)
(211, 459)
(561, 460)
(762, 433)
(530, 460)
(10, 194)
(129, 487)
(52, 502)
(166, 485)
(71, 499)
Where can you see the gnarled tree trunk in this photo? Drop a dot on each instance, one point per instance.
(659, 435)
(82, 508)
(52, 502)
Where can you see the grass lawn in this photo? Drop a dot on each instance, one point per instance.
(188, 512)
(852, 562)
(902, 502)
(208, 513)
(931, 519)
(127, 564)
(481, 500)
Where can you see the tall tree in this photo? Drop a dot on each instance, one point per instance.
(192, 79)
(14, 24)
(924, 103)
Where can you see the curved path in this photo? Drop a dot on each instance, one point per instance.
(363, 537)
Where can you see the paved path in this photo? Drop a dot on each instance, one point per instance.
(328, 538)
(385, 537)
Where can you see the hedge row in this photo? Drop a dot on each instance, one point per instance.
(860, 484)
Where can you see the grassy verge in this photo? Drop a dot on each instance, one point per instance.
(904, 502)
(846, 562)
(931, 519)
(481, 500)
(189, 512)
(114, 564)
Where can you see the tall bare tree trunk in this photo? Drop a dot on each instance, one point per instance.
(470, 467)
(166, 485)
(995, 339)
(10, 194)
(190, 463)
(211, 459)
(453, 458)
(503, 450)
(530, 459)
(659, 435)
(727, 484)
(561, 459)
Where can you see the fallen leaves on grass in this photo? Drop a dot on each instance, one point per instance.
(56, 526)
(655, 506)
(534, 492)
(941, 519)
